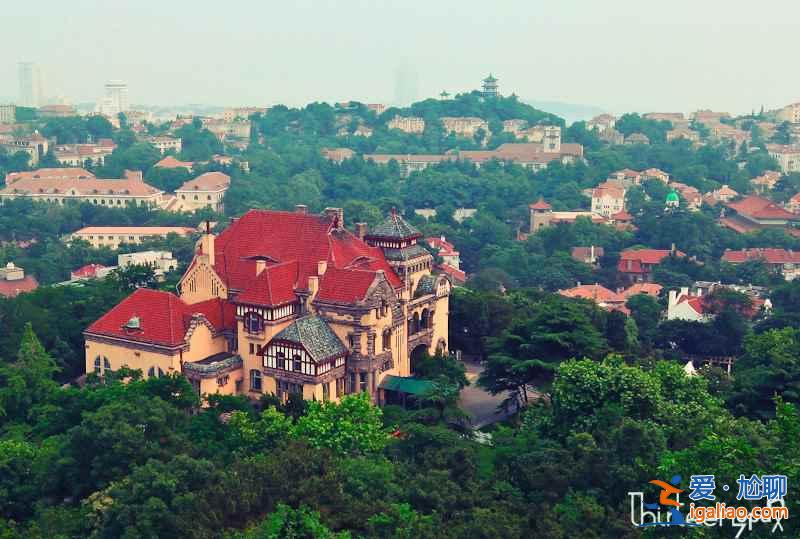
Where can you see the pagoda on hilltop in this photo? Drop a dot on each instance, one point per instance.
(489, 87)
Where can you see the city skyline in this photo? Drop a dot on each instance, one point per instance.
(569, 53)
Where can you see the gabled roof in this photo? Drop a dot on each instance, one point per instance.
(315, 336)
(394, 227)
(162, 318)
(274, 286)
(345, 285)
(696, 303)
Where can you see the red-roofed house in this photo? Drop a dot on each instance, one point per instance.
(286, 302)
(13, 281)
(781, 261)
(683, 306)
(754, 212)
(90, 271)
(637, 265)
(171, 162)
(446, 250)
(599, 294)
(608, 198)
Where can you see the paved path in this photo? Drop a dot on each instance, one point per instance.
(477, 402)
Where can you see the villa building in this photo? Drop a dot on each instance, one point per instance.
(787, 156)
(59, 185)
(166, 144)
(783, 262)
(608, 199)
(286, 302)
(113, 236)
(205, 191)
(408, 124)
(81, 155)
(637, 265)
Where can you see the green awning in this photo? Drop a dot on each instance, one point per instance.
(409, 385)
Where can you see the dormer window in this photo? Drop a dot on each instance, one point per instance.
(133, 324)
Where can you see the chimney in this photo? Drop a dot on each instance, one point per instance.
(673, 249)
(207, 244)
(300, 208)
(313, 288)
(361, 230)
(684, 291)
(337, 216)
(673, 298)
(261, 265)
(322, 267)
(591, 254)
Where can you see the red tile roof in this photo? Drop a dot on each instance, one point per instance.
(642, 256)
(163, 318)
(48, 174)
(595, 292)
(768, 255)
(697, 303)
(89, 270)
(274, 286)
(445, 247)
(11, 289)
(540, 205)
(760, 208)
(651, 289)
(301, 238)
(345, 285)
(456, 275)
(171, 162)
(61, 181)
(210, 181)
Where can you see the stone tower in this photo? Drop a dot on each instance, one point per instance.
(541, 214)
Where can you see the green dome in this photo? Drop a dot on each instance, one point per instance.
(673, 197)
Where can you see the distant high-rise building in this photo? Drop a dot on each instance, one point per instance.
(490, 86)
(30, 85)
(116, 98)
(406, 89)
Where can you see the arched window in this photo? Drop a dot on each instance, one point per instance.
(253, 323)
(101, 365)
(153, 372)
(415, 323)
(255, 380)
(387, 339)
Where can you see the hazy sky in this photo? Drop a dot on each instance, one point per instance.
(620, 55)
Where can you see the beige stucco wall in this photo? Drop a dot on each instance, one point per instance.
(120, 356)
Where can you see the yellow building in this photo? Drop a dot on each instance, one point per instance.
(287, 302)
(59, 185)
(205, 191)
(113, 236)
